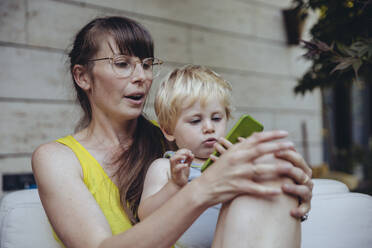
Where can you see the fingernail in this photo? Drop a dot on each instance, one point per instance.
(286, 186)
(280, 153)
(283, 132)
(288, 143)
(276, 191)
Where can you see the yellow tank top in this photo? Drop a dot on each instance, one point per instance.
(100, 185)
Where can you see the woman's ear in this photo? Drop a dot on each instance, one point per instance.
(82, 77)
(167, 135)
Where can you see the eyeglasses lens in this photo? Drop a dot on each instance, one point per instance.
(124, 66)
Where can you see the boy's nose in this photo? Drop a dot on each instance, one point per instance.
(208, 127)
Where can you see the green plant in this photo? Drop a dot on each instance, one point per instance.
(341, 54)
(341, 48)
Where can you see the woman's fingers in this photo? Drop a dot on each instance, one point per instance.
(264, 148)
(258, 189)
(261, 172)
(301, 191)
(301, 210)
(261, 137)
(298, 175)
(304, 194)
(296, 159)
(253, 173)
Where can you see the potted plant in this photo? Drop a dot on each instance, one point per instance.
(341, 55)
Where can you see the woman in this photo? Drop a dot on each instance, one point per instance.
(90, 183)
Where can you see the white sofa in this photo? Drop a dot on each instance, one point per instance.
(338, 219)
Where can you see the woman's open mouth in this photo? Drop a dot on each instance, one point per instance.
(136, 98)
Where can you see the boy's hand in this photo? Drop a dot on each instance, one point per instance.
(221, 146)
(180, 166)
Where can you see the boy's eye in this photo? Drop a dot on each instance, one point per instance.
(195, 121)
(216, 118)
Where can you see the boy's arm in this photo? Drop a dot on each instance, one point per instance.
(157, 188)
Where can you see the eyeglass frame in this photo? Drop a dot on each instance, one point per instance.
(111, 59)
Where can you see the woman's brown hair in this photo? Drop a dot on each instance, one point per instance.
(148, 143)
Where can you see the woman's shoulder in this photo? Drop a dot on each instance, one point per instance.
(51, 149)
(53, 155)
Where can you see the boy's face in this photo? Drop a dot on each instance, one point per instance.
(198, 128)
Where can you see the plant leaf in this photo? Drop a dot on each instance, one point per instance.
(360, 48)
(346, 50)
(322, 46)
(356, 65)
(344, 64)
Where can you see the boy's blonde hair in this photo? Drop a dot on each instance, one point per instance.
(183, 87)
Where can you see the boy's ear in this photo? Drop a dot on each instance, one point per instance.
(167, 135)
(82, 77)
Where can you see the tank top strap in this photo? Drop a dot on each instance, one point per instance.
(92, 170)
(81, 153)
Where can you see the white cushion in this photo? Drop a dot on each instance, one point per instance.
(23, 221)
(339, 220)
(328, 186)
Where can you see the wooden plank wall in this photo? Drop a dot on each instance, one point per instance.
(244, 40)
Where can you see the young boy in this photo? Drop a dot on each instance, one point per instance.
(193, 106)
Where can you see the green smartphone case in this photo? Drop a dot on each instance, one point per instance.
(244, 127)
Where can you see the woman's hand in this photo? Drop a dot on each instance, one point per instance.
(233, 173)
(301, 173)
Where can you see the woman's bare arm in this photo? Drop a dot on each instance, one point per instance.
(77, 218)
(79, 222)
(70, 207)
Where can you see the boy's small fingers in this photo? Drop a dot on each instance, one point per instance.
(219, 148)
(224, 142)
(180, 167)
(213, 157)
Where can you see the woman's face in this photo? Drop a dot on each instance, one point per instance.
(113, 96)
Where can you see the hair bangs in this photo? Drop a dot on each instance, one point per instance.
(204, 87)
(132, 38)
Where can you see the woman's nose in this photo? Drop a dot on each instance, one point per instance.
(138, 72)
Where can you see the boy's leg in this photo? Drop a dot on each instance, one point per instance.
(250, 221)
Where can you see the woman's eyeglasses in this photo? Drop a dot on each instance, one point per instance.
(123, 66)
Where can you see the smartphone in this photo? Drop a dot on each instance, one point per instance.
(244, 127)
